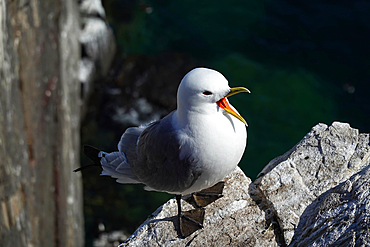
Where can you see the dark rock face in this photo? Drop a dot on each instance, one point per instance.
(40, 201)
(315, 194)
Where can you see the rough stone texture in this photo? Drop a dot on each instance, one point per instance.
(97, 40)
(338, 217)
(40, 200)
(316, 194)
(227, 221)
(92, 8)
(325, 157)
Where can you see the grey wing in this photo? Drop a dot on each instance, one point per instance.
(157, 163)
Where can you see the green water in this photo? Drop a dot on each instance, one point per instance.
(304, 63)
(287, 98)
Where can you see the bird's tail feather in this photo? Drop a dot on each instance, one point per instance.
(115, 165)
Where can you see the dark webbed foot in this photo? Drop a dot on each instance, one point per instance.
(191, 221)
(207, 196)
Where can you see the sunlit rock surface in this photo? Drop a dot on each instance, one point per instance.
(235, 219)
(315, 194)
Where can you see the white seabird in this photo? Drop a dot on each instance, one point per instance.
(190, 149)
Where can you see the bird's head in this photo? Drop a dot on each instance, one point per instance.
(205, 90)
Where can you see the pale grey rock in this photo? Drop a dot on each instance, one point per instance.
(338, 217)
(92, 8)
(233, 220)
(98, 47)
(324, 158)
(316, 194)
(86, 74)
(98, 42)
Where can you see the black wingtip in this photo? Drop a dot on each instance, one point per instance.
(92, 153)
(84, 167)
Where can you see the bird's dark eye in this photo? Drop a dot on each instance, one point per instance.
(207, 93)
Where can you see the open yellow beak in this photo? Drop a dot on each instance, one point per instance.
(224, 104)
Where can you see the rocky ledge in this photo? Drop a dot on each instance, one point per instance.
(316, 194)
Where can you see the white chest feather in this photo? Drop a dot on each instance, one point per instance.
(216, 143)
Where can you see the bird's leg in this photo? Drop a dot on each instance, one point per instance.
(179, 212)
(189, 221)
(207, 196)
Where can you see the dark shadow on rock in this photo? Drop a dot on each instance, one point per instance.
(174, 220)
(270, 216)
